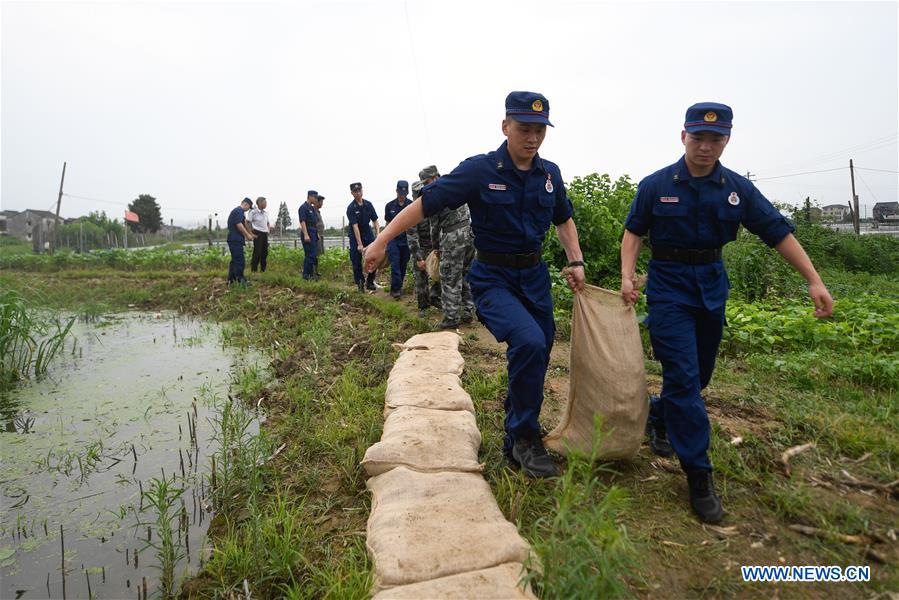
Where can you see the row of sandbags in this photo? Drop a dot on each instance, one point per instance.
(435, 530)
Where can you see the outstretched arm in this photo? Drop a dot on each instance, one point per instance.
(374, 252)
(793, 253)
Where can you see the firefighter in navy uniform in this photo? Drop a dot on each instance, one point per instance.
(398, 248)
(513, 195)
(360, 214)
(690, 210)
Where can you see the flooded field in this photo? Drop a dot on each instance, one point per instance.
(106, 463)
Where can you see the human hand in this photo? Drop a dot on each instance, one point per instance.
(629, 292)
(575, 278)
(373, 254)
(822, 299)
(306, 238)
(421, 265)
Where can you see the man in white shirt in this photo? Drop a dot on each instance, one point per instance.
(259, 222)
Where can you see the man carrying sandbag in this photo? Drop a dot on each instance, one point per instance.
(690, 210)
(513, 194)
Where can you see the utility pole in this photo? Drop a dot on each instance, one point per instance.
(58, 202)
(209, 231)
(749, 175)
(855, 219)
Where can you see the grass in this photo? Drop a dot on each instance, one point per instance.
(292, 523)
(28, 341)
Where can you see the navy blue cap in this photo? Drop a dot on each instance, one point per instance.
(355, 187)
(402, 185)
(320, 197)
(312, 193)
(709, 116)
(248, 201)
(528, 107)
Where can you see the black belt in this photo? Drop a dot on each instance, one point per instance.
(456, 226)
(691, 256)
(512, 261)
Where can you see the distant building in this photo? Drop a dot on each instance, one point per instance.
(886, 212)
(30, 226)
(4, 221)
(835, 212)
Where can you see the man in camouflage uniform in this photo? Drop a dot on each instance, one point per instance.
(419, 237)
(454, 243)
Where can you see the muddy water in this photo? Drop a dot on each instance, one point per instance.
(78, 448)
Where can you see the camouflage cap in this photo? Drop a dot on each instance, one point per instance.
(428, 172)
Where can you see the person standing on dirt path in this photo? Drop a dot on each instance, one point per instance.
(427, 293)
(454, 244)
(398, 248)
(360, 214)
(261, 227)
(309, 233)
(320, 226)
(690, 210)
(238, 234)
(513, 195)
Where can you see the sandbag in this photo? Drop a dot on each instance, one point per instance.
(426, 440)
(424, 526)
(433, 360)
(432, 266)
(607, 378)
(434, 339)
(440, 391)
(495, 583)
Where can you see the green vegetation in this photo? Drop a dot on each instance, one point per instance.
(28, 341)
(291, 500)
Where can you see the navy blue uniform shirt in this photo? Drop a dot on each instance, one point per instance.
(363, 216)
(237, 216)
(510, 209)
(392, 209)
(680, 210)
(307, 214)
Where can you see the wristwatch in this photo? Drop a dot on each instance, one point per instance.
(575, 263)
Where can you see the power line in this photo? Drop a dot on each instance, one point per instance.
(798, 174)
(877, 170)
(873, 195)
(126, 204)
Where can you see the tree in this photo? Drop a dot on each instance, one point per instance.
(150, 216)
(283, 221)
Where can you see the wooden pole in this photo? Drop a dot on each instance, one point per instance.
(855, 217)
(58, 202)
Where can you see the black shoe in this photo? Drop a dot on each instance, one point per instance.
(467, 318)
(423, 313)
(658, 441)
(395, 295)
(361, 287)
(370, 286)
(703, 499)
(530, 455)
(436, 303)
(447, 324)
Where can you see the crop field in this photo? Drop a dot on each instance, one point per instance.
(805, 420)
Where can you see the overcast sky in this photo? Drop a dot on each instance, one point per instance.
(200, 104)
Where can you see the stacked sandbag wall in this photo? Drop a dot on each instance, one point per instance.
(435, 529)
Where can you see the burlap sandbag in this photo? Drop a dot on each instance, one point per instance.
(495, 583)
(432, 266)
(441, 391)
(428, 525)
(433, 360)
(426, 440)
(435, 339)
(606, 378)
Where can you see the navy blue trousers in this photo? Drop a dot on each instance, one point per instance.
(685, 339)
(399, 261)
(516, 307)
(238, 261)
(310, 253)
(356, 261)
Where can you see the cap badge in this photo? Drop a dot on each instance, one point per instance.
(733, 199)
(537, 106)
(549, 182)
(710, 117)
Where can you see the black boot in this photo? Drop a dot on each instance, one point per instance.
(361, 286)
(531, 456)
(658, 440)
(703, 499)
